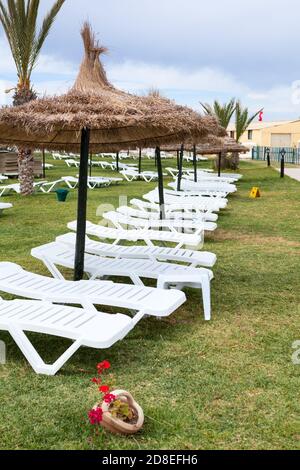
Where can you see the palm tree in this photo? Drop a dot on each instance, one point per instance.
(223, 112)
(19, 20)
(242, 121)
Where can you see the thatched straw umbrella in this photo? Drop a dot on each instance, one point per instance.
(95, 116)
(226, 145)
(210, 145)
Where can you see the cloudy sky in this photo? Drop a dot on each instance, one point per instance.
(192, 50)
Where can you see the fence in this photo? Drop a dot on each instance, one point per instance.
(292, 155)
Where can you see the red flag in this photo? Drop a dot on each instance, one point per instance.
(261, 116)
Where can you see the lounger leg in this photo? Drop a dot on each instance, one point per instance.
(165, 283)
(53, 269)
(136, 280)
(35, 360)
(206, 297)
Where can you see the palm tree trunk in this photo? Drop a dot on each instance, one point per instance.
(235, 161)
(25, 94)
(26, 171)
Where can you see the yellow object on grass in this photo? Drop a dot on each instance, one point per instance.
(255, 193)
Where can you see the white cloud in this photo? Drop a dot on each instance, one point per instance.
(47, 64)
(51, 76)
(275, 100)
(140, 76)
(52, 87)
(54, 75)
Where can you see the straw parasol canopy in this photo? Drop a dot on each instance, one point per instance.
(116, 119)
(226, 145)
(94, 116)
(210, 145)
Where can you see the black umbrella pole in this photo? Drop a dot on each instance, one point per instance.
(140, 161)
(44, 164)
(195, 164)
(117, 160)
(160, 184)
(180, 168)
(219, 164)
(91, 164)
(82, 205)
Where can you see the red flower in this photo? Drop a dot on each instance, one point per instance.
(96, 381)
(109, 398)
(104, 389)
(103, 365)
(95, 416)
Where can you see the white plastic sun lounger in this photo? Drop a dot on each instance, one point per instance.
(48, 166)
(213, 174)
(85, 327)
(120, 220)
(70, 181)
(71, 163)
(133, 175)
(5, 206)
(190, 257)
(142, 214)
(210, 195)
(95, 163)
(4, 190)
(189, 240)
(204, 188)
(220, 186)
(166, 274)
(174, 171)
(59, 156)
(126, 166)
(150, 176)
(179, 210)
(190, 159)
(130, 175)
(151, 301)
(99, 181)
(93, 182)
(235, 176)
(175, 197)
(105, 165)
(208, 178)
(103, 181)
(47, 188)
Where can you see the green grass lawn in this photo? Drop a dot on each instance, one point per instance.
(226, 384)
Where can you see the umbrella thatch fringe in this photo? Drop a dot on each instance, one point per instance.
(210, 145)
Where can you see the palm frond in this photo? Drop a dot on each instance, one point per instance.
(243, 120)
(207, 109)
(223, 112)
(44, 31)
(19, 21)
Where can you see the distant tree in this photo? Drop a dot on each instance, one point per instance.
(223, 112)
(19, 20)
(243, 119)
